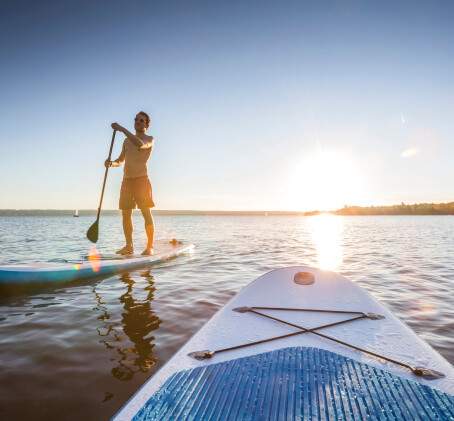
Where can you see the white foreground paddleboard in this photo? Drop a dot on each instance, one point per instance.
(36, 273)
(301, 376)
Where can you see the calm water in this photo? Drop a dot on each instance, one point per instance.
(79, 351)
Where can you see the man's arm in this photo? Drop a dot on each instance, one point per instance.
(142, 144)
(118, 161)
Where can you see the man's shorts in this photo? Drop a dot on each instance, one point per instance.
(136, 192)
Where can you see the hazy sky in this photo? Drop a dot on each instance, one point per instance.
(255, 105)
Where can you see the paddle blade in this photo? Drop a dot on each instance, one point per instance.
(92, 233)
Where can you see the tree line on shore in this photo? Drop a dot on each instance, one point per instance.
(402, 209)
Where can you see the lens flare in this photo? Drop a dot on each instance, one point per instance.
(77, 266)
(427, 306)
(408, 153)
(94, 258)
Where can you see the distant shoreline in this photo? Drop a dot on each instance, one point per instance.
(402, 209)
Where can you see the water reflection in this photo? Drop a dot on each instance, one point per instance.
(137, 323)
(326, 231)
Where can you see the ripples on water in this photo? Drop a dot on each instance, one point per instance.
(79, 351)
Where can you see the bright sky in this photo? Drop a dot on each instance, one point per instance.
(255, 105)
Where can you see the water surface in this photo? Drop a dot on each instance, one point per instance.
(79, 351)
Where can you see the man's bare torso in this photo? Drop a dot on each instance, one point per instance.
(136, 159)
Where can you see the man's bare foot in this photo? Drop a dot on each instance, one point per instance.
(147, 252)
(126, 250)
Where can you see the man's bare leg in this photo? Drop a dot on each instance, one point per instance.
(128, 229)
(149, 229)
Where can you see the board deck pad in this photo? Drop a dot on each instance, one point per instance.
(295, 383)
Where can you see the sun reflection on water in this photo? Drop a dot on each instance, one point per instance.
(326, 231)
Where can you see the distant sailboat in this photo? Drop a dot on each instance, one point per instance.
(77, 213)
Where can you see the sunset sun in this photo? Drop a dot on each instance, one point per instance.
(326, 181)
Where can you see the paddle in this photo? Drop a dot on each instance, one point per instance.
(92, 233)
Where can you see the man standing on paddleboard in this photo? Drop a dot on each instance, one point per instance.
(135, 188)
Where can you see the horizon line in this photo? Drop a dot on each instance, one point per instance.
(225, 211)
(403, 209)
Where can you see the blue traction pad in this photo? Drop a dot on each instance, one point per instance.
(295, 383)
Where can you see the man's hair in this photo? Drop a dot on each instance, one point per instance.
(146, 116)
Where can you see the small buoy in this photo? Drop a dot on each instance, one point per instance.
(304, 278)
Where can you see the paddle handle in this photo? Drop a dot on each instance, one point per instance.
(105, 175)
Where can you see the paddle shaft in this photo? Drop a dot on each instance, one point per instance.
(105, 175)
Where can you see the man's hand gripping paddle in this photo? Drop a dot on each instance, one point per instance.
(92, 233)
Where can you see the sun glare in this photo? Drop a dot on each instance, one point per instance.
(326, 181)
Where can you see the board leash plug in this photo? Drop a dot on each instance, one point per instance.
(304, 278)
